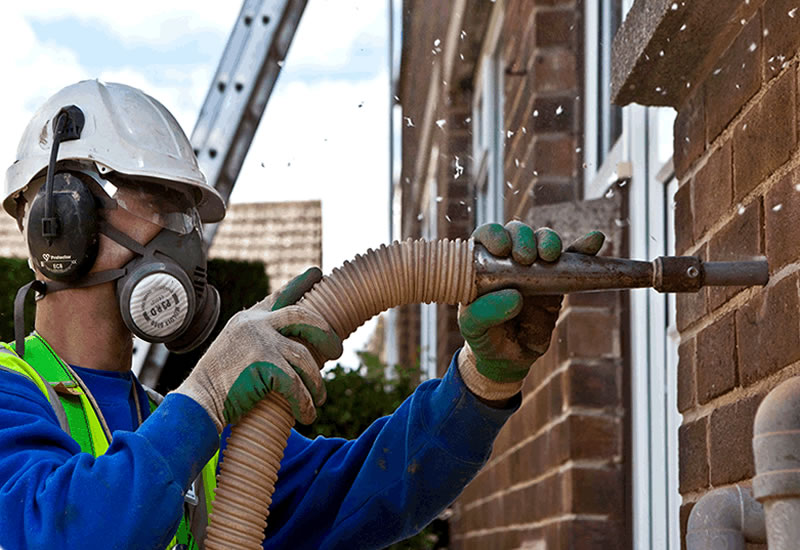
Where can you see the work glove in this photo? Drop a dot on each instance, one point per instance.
(504, 334)
(259, 351)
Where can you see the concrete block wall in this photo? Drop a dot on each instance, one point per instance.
(737, 161)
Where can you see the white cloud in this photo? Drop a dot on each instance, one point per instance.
(144, 21)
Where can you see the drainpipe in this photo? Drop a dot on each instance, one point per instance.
(776, 449)
(725, 519)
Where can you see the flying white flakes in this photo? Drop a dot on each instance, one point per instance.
(509, 134)
(777, 207)
(683, 28)
(610, 193)
(447, 218)
(439, 198)
(740, 210)
(752, 47)
(437, 42)
(797, 187)
(441, 122)
(508, 184)
(559, 110)
(674, 6)
(459, 169)
(765, 32)
(420, 216)
(535, 113)
(463, 34)
(792, 12)
(409, 122)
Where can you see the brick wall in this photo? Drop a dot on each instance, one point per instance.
(557, 477)
(737, 161)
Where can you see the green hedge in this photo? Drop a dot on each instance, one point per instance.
(14, 273)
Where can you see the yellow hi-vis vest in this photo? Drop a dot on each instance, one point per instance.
(77, 416)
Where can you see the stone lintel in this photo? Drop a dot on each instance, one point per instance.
(665, 48)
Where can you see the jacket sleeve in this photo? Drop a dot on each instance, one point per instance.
(54, 496)
(390, 482)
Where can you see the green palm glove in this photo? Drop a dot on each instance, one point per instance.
(504, 334)
(260, 351)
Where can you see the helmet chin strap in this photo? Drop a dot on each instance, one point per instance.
(44, 288)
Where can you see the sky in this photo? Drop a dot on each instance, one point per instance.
(323, 136)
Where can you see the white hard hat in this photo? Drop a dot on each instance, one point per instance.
(126, 132)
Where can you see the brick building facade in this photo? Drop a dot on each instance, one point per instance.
(490, 116)
(644, 402)
(734, 86)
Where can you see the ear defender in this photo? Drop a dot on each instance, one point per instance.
(62, 223)
(70, 251)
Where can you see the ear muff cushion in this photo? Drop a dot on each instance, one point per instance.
(72, 253)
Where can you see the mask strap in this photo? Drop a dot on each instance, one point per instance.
(19, 314)
(42, 289)
(121, 238)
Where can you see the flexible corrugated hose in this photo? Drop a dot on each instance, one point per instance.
(445, 272)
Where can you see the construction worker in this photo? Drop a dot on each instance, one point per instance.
(107, 191)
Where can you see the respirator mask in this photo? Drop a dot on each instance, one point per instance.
(163, 293)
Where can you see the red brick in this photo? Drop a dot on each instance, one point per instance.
(554, 114)
(689, 133)
(554, 70)
(593, 491)
(782, 213)
(587, 334)
(684, 218)
(782, 35)
(693, 456)
(555, 156)
(734, 80)
(731, 435)
(739, 239)
(687, 392)
(606, 300)
(767, 331)
(585, 534)
(581, 437)
(592, 385)
(713, 189)
(545, 192)
(686, 509)
(555, 28)
(766, 136)
(716, 359)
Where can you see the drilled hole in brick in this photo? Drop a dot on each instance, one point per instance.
(239, 86)
(265, 20)
(221, 86)
(248, 20)
(212, 153)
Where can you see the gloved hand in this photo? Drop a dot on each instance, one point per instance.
(503, 333)
(253, 355)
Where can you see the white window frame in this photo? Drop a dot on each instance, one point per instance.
(428, 333)
(599, 153)
(654, 343)
(487, 124)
